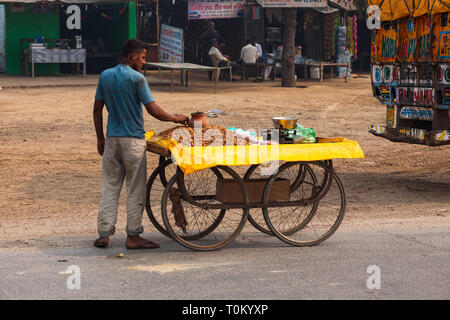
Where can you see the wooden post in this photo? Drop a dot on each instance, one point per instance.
(171, 80)
(137, 20)
(348, 71)
(157, 24)
(321, 72)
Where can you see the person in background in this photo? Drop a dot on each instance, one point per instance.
(222, 46)
(267, 59)
(205, 43)
(249, 53)
(123, 89)
(223, 61)
(258, 48)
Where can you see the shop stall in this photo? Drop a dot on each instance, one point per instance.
(60, 34)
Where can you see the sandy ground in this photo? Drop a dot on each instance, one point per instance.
(51, 175)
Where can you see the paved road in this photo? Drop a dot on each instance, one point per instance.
(413, 264)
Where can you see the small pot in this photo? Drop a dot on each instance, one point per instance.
(198, 117)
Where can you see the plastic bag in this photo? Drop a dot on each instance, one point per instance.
(308, 134)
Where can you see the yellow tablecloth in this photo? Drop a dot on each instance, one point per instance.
(191, 159)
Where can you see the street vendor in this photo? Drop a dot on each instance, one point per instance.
(123, 90)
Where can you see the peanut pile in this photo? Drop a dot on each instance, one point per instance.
(180, 133)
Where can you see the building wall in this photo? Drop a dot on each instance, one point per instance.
(2, 38)
(27, 25)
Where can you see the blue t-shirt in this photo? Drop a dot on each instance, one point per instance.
(123, 90)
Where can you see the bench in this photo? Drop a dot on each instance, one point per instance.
(258, 67)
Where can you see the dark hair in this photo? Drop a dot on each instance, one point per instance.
(132, 46)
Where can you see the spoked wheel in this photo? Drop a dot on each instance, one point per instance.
(297, 174)
(190, 196)
(297, 226)
(155, 189)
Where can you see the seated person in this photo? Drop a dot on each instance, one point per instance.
(249, 53)
(222, 61)
(215, 52)
(266, 59)
(222, 46)
(258, 48)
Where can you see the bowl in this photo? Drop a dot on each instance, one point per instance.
(284, 122)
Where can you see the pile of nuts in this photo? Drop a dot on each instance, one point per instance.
(208, 136)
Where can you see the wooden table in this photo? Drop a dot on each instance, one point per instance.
(324, 64)
(184, 68)
(44, 55)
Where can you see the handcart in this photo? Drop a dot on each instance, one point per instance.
(288, 191)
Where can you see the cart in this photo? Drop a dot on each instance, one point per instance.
(300, 200)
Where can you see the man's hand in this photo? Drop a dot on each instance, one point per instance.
(101, 146)
(180, 118)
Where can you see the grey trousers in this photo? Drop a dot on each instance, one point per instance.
(123, 157)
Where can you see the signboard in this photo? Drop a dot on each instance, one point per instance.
(407, 41)
(443, 74)
(425, 74)
(171, 44)
(423, 39)
(416, 113)
(292, 3)
(345, 4)
(408, 74)
(389, 43)
(444, 45)
(415, 96)
(441, 37)
(390, 116)
(376, 74)
(215, 9)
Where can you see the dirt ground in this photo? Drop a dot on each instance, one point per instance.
(51, 176)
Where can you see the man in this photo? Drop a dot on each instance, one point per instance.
(205, 42)
(223, 61)
(249, 53)
(215, 52)
(123, 89)
(258, 48)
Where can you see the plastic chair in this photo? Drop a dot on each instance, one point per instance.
(216, 72)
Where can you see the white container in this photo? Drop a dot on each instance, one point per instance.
(315, 73)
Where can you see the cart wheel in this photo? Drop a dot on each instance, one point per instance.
(197, 190)
(297, 226)
(301, 171)
(155, 189)
(322, 171)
